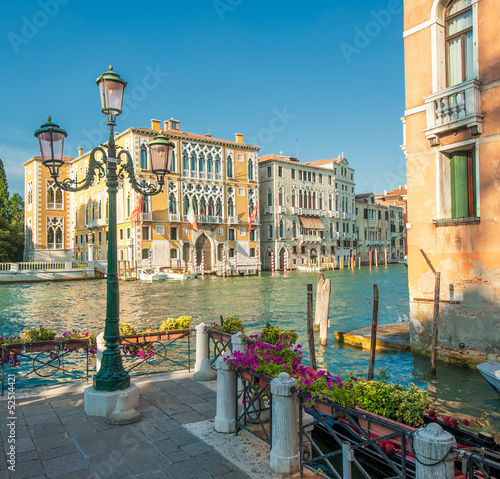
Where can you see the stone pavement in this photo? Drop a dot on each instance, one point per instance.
(54, 438)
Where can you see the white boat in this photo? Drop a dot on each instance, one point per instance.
(310, 268)
(164, 274)
(491, 372)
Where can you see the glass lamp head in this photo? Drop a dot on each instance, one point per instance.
(111, 87)
(51, 139)
(161, 150)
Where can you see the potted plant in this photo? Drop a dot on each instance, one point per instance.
(231, 325)
(171, 324)
(39, 339)
(74, 339)
(273, 334)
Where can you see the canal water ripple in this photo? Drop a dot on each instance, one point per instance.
(280, 300)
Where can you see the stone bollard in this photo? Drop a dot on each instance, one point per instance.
(284, 457)
(205, 373)
(101, 347)
(432, 444)
(225, 416)
(237, 343)
(202, 349)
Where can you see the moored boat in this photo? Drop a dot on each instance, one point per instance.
(491, 372)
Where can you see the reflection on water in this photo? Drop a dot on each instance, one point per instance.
(281, 300)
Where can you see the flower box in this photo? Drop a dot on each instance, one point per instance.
(36, 346)
(378, 430)
(13, 348)
(220, 335)
(74, 343)
(324, 407)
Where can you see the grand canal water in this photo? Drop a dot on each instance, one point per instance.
(256, 300)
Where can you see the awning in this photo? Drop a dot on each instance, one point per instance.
(311, 223)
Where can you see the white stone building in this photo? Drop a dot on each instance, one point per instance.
(307, 211)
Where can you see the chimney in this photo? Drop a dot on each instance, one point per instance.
(385, 192)
(239, 138)
(155, 125)
(80, 151)
(173, 124)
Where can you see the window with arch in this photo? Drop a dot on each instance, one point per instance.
(173, 167)
(217, 165)
(250, 169)
(280, 197)
(282, 229)
(269, 197)
(55, 229)
(143, 157)
(193, 162)
(29, 195)
(229, 167)
(185, 163)
(270, 231)
(293, 198)
(210, 164)
(252, 252)
(300, 199)
(201, 164)
(172, 204)
(459, 42)
(294, 229)
(230, 207)
(129, 205)
(54, 196)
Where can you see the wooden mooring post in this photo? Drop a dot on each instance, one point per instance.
(435, 319)
(310, 326)
(321, 321)
(373, 337)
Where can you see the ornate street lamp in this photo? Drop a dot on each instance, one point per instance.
(111, 376)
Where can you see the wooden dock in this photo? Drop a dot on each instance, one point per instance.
(389, 336)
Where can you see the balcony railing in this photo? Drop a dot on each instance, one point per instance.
(147, 216)
(206, 219)
(202, 175)
(268, 209)
(232, 220)
(97, 223)
(456, 107)
(174, 217)
(282, 209)
(54, 206)
(310, 238)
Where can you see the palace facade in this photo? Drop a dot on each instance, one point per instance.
(218, 177)
(452, 146)
(307, 211)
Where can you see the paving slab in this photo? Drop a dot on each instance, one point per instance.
(56, 439)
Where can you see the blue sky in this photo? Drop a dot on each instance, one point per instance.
(326, 77)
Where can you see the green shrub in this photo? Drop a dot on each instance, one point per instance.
(182, 322)
(273, 334)
(38, 334)
(231, 325)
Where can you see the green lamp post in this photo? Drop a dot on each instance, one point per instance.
(111, 376)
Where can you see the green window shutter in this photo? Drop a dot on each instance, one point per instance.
(459, 185)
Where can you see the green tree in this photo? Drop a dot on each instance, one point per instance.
(11, 222)
(4, 192)
(16, 209)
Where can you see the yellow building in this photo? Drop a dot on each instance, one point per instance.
(452, 144)
(219, 177)
(47, 228)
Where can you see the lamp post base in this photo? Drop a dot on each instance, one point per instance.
(103, 403)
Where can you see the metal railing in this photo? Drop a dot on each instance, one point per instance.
(41, 360)
(255, 396)
(218, 343)
(149, 353)
(350, 442)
